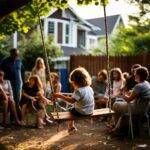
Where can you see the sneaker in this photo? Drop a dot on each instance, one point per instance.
(72, 130)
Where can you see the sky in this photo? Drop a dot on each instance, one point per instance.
(114, 7)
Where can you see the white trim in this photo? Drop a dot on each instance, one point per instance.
(79, 18)
(15, 41)
(64, 23)
(116, 24)
(45, 28)
(80, 26)
(56, 31)
(89, 46)
(58, 20)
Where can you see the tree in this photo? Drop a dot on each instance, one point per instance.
(24, 18)
(136, 38)
(31, 48)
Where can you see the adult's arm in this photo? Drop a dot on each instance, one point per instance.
(131, 97)
(28, 96)
(10, 89)
(3, 93)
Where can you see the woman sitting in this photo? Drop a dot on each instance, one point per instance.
(6, 96)
(99, 85)
(32, 94)
(117, 83)
(140, 96)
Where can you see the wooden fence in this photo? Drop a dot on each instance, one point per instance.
(95, 63)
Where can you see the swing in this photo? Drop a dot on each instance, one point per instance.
(63, 116)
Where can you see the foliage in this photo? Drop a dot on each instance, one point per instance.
(24, 18)
(33, 48)
(5, 46)
(136, 38)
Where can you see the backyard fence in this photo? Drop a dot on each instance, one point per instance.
(95, 63)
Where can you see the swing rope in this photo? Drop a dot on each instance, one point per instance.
(108, 58)
(46, 59)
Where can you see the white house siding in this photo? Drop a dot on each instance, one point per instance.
(73, 34)
(72, 31)
(94, 43)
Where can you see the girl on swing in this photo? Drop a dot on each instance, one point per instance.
(82, 98)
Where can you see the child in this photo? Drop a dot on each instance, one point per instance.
(56, 84)
(6, 95)
(118, 82)
(100, 85)
(39, 70)
(33, 94)
(83, 96)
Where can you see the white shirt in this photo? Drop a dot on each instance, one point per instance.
(84, 97)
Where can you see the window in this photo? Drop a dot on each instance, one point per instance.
(92, 42)
(51, 27)
(67, 34)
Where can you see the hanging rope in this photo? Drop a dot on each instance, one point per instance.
(46, 57)
(107, 53)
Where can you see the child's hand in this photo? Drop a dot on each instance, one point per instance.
(56, 95)
(33, 99)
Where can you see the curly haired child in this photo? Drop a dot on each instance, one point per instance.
(82, 98)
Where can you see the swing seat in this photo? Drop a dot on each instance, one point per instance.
(68, 116)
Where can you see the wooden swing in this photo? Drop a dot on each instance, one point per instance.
(63, 116)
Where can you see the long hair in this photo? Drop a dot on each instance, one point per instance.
(80, 77)
(119, 72)
(39, 59)
(37, 81)
(103, 73)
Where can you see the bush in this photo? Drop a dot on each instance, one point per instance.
(33, 48)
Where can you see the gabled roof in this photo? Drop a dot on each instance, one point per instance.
(79, 19)
(112, 21)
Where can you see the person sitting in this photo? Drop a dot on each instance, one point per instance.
(130, 82)
(56, 84)
(99, 85)
(32, 94)
(6, 95)
(117, 83)
(139, 97)
(82, 98)
(40, 70)
(126, 76)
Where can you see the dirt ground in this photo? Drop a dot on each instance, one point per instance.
(88, 137)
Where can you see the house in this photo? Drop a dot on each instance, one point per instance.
(76, 35)
(69, 30)
(113, 23)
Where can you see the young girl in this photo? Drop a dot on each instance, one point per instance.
(33, 94)
(6, 95)
(117, 82)
(82, 98)
(39, 70)
(99, 85)
(56, 84)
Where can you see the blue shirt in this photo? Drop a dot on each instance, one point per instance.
(13, 70)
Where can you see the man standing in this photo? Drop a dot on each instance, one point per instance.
(14, 72)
